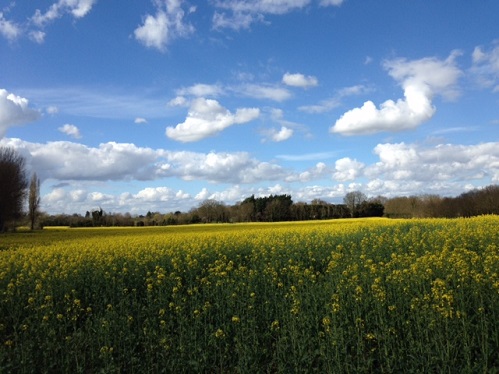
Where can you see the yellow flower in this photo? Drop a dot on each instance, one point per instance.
(219, 334)
(275, 325)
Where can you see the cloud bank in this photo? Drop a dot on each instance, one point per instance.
(400, 169)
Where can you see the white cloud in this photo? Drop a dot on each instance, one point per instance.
(260, 91)
(159, 30)
(99, 102)
(70, 130)
(140, 120)
(8, 29)
(347, 169)
(77, 8)
(235, 21)
(78, 173)
(285, 130)
(206, 118)
(221, 167)
(155, 194)
(67, 161)
(64, 160)
(335, 101)
(319, 171)
(283, 134)
(485, 67)
(201, 90)
(443, 163)
(307, 156)
(299, 80)
(14, 110)
(238, 14)
(420, 80)
(331, 2)
(178, 101)
(37, 36)
(52, 110)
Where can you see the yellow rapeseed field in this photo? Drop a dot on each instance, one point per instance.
(366, 295)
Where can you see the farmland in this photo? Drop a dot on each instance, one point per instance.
(354, 295)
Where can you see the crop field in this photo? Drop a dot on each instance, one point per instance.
(341, 296)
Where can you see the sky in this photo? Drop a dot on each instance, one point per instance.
(160, 105)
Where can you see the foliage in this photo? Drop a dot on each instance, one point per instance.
(13, 185)
(337, 296)
(33, 200)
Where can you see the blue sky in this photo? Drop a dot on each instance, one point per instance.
(159, 105)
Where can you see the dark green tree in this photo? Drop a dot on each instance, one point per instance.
(13, 184)
(33, 200)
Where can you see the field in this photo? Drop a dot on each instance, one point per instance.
(341, 296)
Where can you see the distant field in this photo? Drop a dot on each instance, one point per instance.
(366, 295)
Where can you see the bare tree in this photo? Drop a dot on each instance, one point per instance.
(33, 200)
(353, 200)
(13, 184)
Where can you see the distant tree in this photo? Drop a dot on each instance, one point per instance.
(370, 209)
(212, 211)
(33, 200)
(278, 208)
(97, 217)
(13, 184)
(353, 200)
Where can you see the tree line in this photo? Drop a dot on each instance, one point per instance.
(15, 189)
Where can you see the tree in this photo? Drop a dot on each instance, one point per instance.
(13, 184)
(33, 200)
(353, 200)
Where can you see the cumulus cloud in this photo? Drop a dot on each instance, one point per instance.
(8, 29)
(14, 110)
(421, 80)
(77, 8)
(347, 169)
(485, 67)
(167, 24)
(218, 167)
(70, 130)
(206, 118)
(155, 194)
(78, 172)
(318, 171)
(65, 160)
(299, 80)
(284, 133)
(443, 163)
(68, 161)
